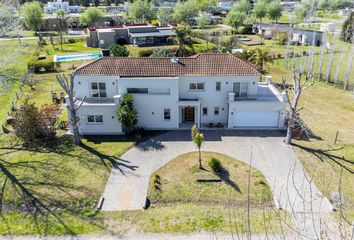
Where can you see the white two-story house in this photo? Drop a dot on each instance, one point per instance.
(209, 90)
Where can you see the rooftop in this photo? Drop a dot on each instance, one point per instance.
(220, 64)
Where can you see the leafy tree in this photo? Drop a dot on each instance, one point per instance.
(202, 22)
(348, 29)
(235, 19)
(96, 3)
(141, 11)
(324, 5)
(260, 9)
(259, 57)
(305, 9)
(275, 10)
(91, 16)
(108, 2)
(33, 124)
(198, 139)
(165, 15)
(32, 15)
(61, 16)
(162, 52)
(7, 17)
(341, 4)
(119, 50)
(186, 11)
(183, 38)
(242, 6)
(86, 3)
(127, 114)
(208, 6)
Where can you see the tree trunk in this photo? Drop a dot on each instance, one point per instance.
(200, 160)
(289, 133)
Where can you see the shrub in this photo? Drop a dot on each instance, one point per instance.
(282, 38)
(121, 41)
(215, 165)
(46, 65)
(145, 53)
(71, 40)
(119, 50)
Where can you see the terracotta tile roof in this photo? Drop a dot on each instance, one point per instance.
(197, 65)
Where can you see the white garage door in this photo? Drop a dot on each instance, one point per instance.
(256, 118)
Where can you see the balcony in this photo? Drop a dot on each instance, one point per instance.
(115, 100)
(265, 92)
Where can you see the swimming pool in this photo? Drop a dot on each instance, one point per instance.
(75, 57)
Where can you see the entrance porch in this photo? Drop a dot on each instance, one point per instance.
(189, 113)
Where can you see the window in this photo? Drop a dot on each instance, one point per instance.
(94, 118)
(137, 90)
(218, 86)
(167, 114)
(98, 89)
(240, 89)
(205, 111)
(216, 111)
(162, 91)
(196, 86)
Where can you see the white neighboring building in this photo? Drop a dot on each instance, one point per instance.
(208, 90)
(54, 6)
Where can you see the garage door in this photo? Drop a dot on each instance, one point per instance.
(256, 119)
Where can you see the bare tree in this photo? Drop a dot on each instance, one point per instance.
(330, 61)
(339, 66)
(68, 87)
(299, 85)
(349, 68)
(321, 59)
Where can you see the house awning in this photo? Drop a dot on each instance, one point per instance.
(161, 33)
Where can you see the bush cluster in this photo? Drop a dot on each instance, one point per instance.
(215, 165)
(45, 65)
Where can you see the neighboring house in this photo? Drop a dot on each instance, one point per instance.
(54, 6)
(209, 90)
(137, 34)
(297, 35)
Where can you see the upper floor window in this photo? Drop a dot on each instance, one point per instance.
(163, 91)
(240, 89)
(98, 89)
(95, 118)
(205, 111)
(196, 86)
(137, 90)
(216, 111)
(167, 114)
(218, 86)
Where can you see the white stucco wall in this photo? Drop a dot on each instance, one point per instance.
(211, 98)
(109, 126)
(150, 107)
(82, 85)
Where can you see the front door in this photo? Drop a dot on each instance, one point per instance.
(189, 114)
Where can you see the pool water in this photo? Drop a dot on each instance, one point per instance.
(75, 57)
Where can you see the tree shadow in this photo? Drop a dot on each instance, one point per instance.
(115, 162)
(150, 145)
(325, 155)
(37, 203)
(224, 175)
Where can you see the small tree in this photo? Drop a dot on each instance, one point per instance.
(119, 50)
(127, 114)
(32, 15)
(348, 29)
(235, 19)
(198, 139)
(165, 15)
(91, 16)
(208, 6)
(202, 22)
(183, 38)
(186, 11)
(275, 10)
(162, 52)
(141, 11)
(260, 9)
(260, 57)
(61, 17)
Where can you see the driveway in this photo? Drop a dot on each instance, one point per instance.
(292, 189)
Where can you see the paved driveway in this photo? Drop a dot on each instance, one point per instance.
(292, 189)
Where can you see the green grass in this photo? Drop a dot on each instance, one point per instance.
(188, 218)
(179, 182)
(71, 48)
